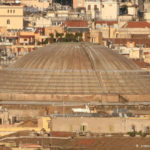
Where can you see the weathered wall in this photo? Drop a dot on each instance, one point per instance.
(99, 125)
(58, 97)
(13, 14)
(62, 97)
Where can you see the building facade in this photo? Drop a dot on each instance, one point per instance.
(40, 4)
(99, 125)
(78, 3)
(93, 8)
(109, 10)
(11, 16)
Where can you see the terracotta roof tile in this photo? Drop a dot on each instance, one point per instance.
(76, 23)
(107, 22)
(123, 41)
(146, 53)
(140, 24)
(62, 134)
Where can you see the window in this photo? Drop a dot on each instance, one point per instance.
(8, 11)
(104, 25)
(98, 26)
(83, 128)
(95, 7)
(13, 11)
(8, 21)
(89, 7)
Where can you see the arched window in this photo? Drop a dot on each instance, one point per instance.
(8, 21)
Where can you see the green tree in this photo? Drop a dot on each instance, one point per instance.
(59, 36)
(51, 37)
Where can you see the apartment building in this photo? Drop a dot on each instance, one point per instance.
(40, 4)
(93, 8)
(100, 9)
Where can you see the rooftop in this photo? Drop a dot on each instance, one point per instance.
(139, 24)
(107, 22)
(76, 23)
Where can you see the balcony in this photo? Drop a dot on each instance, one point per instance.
(6, 43)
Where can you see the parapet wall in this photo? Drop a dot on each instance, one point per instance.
(82, 98)
(99, 125)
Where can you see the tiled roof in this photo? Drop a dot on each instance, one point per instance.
(26, 36)
(139, 24)
(76, 23)
(62, 134)
(107, 22)
(146, 53)
(145, 42)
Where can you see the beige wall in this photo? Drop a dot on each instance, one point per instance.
(84, 98)
(134, 54)
(129, 31)
(132, 11)
(99, 125)
(11, 17)
(109, 32)
(52, 29)
(147, 6)
(3, 30)
(147, 59)
(42, 22)
(96, 36)
(78, 3)
(36, 3)
(92, 5)
(113, 12)
(147, 16)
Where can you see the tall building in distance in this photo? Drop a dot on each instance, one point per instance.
(78, 3)
(98, 9)
(11, 16)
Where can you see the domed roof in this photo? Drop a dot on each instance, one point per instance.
(76, 69)
(72, 56)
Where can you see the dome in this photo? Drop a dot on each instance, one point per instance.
(73, 71)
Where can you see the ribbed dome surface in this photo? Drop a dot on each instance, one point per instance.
(74, 68)
(74, 57)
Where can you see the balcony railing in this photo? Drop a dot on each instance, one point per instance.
(6, 43)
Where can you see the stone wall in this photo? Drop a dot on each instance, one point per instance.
(99, 125)
(64, 97)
